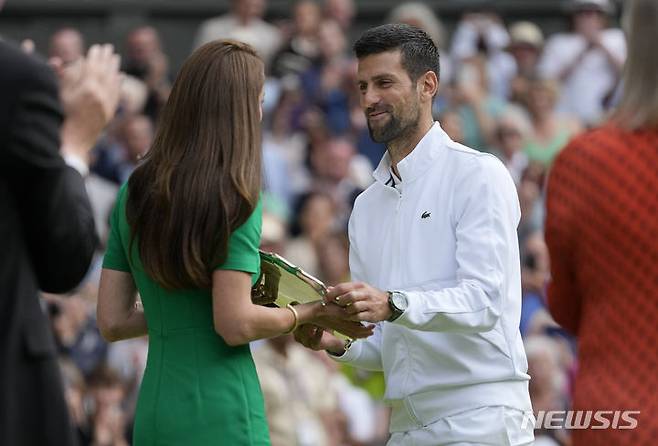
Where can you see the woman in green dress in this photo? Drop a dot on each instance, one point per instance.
(184, 234)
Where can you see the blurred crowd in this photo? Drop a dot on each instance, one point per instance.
(506, 88)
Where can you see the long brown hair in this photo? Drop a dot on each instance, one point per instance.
(638, 107)
(201, 178)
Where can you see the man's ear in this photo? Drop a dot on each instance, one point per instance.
(429, 84)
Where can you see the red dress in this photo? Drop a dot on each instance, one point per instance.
(602, 234)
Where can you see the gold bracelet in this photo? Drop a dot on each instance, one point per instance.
(296, 316)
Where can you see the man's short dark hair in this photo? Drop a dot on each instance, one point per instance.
(419, 53)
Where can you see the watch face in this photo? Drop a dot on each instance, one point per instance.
(400, 301)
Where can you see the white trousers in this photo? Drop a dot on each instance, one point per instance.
(490, 426)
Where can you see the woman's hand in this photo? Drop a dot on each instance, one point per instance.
(335, 318)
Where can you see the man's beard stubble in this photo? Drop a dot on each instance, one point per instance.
(394, 129)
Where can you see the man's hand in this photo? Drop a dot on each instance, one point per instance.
(89, 91)
(318, 338)
(360, 301)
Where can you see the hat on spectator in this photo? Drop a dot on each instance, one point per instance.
(599, 5)
(525, 33)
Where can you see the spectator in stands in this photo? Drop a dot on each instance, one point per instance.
(550, 130)
(601, 225)
(587, 61)
(339, 171)
(102, 194)
(128, 359)
(146, 60)
(109, 157)
(300, 406)
(534, 276)
(135, 135)
(68, 45)
(314, 220)
(76, 333)
(333, 256)
(547, 383)
(75, 392)
(530, 200)
(276, 175)
(534, 264)
(302, 48)
(342, 11)
(513, 127)
(477, 106)
(483, 34)
(327, 83)
(131, 139)
(244, 22)
(288, 142)
(526, 44)
(109, 420)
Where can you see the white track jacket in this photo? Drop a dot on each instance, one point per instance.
(445, 235)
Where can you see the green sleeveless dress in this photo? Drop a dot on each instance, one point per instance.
(196, 390)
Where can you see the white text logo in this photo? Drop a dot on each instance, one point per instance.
(583, 419)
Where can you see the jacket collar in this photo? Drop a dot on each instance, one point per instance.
(421, 158)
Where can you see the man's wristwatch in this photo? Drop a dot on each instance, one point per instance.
(346, 346)
(398, 303)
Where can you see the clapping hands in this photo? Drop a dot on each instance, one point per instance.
(89, 92)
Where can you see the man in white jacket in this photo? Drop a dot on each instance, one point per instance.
(435, 264)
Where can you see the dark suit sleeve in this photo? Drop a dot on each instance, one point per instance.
(55, 213)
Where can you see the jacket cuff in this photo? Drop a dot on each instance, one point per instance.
(352, 353)
(407, 318)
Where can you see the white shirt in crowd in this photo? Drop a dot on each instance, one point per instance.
(501, 66)
(265, 38)
(584, 90)
(445, 235)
